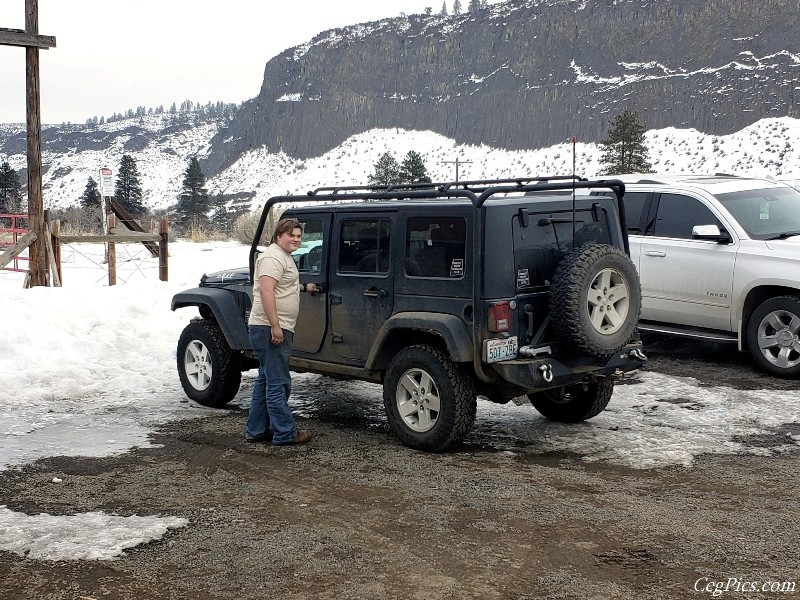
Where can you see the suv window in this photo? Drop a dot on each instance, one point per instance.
(634, 205)
(678, 214)
(364, 246)
(765, 213)
(435, 247)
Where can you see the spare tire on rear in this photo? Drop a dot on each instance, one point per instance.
(595, 299)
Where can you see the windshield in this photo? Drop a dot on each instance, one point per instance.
(766, 213)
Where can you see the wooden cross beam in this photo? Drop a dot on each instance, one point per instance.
(32, 42)
(18, 37)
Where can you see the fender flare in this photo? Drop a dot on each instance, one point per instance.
(450, 328)
(226, 312)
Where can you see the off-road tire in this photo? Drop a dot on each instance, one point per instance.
(574, 403)
(772, 336)
(425, 426)
(595, 299)
(207, 367)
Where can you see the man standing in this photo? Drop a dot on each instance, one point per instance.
(276, 303)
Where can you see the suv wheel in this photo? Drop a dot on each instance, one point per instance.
(574, 403)
(430, 402)
(208, 369)
(773, 336)
(595, 299)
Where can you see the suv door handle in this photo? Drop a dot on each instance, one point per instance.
(656, 253)
(374, 292)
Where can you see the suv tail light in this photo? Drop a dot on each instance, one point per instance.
(499, 317)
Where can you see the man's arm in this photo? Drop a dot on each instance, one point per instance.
(266, 289)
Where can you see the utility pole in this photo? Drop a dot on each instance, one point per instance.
(32, 42)
(457, 162)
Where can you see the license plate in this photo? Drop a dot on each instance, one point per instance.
(497, 350)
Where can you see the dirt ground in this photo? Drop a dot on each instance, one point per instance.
(355, 514)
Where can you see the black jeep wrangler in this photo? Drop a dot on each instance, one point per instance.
(442, 292)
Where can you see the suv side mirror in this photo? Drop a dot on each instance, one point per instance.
(711, 233)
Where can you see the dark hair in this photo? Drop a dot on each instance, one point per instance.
(285, 226)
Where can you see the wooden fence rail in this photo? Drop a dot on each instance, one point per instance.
(117, 235)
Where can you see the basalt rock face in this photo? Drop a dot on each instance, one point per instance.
(529, 74)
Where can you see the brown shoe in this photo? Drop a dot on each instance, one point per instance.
(303, 436)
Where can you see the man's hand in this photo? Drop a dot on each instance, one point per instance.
(277, 334)
(312, 289)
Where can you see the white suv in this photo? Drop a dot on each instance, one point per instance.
(719, 259)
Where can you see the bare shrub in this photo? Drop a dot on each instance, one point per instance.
(200, 230)
(78, 220)
(244, 228)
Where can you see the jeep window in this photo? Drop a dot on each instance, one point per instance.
(765, 213)
(678, 214)
(308, 257)
(539, 247)
(435, 247)
(364, 246)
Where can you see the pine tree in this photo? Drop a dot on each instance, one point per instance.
(194, 201)
(624, 150)
(10, 190)
(128, 189)
(222, 219)
(387, 171)
(443, 12)
(412, 169)
(91, 197)
(457, 7)
(474, 5)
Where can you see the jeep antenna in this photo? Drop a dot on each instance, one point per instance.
(574, 140)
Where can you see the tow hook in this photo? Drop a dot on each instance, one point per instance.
(547, 372)
(637, 354)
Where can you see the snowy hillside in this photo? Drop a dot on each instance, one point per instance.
(767, 148)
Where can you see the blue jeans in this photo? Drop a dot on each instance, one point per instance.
(269, 407)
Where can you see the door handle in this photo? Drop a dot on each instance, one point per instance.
(656, 253)
(374, 292)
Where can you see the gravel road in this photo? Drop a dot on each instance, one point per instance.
(354, 514)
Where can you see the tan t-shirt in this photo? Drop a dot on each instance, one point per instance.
(275, 262)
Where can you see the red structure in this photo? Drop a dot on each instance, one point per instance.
(9, 236)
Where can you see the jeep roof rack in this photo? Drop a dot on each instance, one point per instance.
(442, 186)
(477, 192)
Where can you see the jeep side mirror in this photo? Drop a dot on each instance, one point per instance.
(711, 233)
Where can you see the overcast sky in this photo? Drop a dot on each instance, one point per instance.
(111, 56)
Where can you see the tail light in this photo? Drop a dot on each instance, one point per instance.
(499, 316)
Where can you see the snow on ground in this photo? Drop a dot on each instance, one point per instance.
(89, 370)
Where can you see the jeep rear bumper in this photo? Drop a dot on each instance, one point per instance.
(547, 372)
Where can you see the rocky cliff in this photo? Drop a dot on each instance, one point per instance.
(528, 74)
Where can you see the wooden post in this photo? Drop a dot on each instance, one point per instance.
(112, 253)
(37, 265)
(49, 252)
(163, 251)
(32, 42)
(55, 229)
